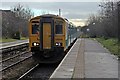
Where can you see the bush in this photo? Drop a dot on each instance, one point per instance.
(17, 35)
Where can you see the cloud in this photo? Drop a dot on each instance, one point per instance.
(70, 10)
(75, 11)
(75, 15)
(51, 1)
(78, 22)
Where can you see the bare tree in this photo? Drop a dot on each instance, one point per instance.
(15, 21)
(106, 21)
(22, 12)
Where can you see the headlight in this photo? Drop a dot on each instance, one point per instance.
(58, 44)
(35, 44)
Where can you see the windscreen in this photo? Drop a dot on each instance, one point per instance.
(58, 29)
(35, 28)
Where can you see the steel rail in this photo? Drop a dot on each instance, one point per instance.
(15, 63)
(14, 56)
(28, 72)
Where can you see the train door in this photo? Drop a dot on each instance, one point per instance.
(46, 35)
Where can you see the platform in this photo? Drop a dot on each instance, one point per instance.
(88, 60)
(14, 43)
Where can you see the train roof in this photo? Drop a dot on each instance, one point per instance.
(55, 16)
(47, 15)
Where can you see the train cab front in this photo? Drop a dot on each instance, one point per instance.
(50, 47)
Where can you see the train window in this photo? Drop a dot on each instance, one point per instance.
(35, 29)
(58, 29)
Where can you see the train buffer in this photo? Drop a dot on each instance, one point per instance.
(88, 60)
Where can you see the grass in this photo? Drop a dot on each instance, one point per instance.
(111, 44)
(24, 38)
(3, 40)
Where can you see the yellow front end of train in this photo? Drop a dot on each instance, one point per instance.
(47, 38)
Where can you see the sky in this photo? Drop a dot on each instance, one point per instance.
(76, 11)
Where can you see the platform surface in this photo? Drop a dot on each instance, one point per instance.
(99, 63)
(14, 43)
(87, 59)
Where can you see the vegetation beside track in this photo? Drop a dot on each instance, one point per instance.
(24, 38)
(111, 44)
(3, 40)
(7, 40)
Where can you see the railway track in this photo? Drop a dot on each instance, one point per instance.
(40, 72)
(13, 50)
(12, 61)
(13, 55)
(26, 73)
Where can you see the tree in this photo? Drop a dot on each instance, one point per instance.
(22, 12)
(15, 21)
(106, 21)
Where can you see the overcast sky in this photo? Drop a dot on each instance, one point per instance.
(74, 11)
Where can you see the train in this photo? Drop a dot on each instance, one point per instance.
(50, 36)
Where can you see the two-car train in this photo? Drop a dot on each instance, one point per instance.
(49, 36)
